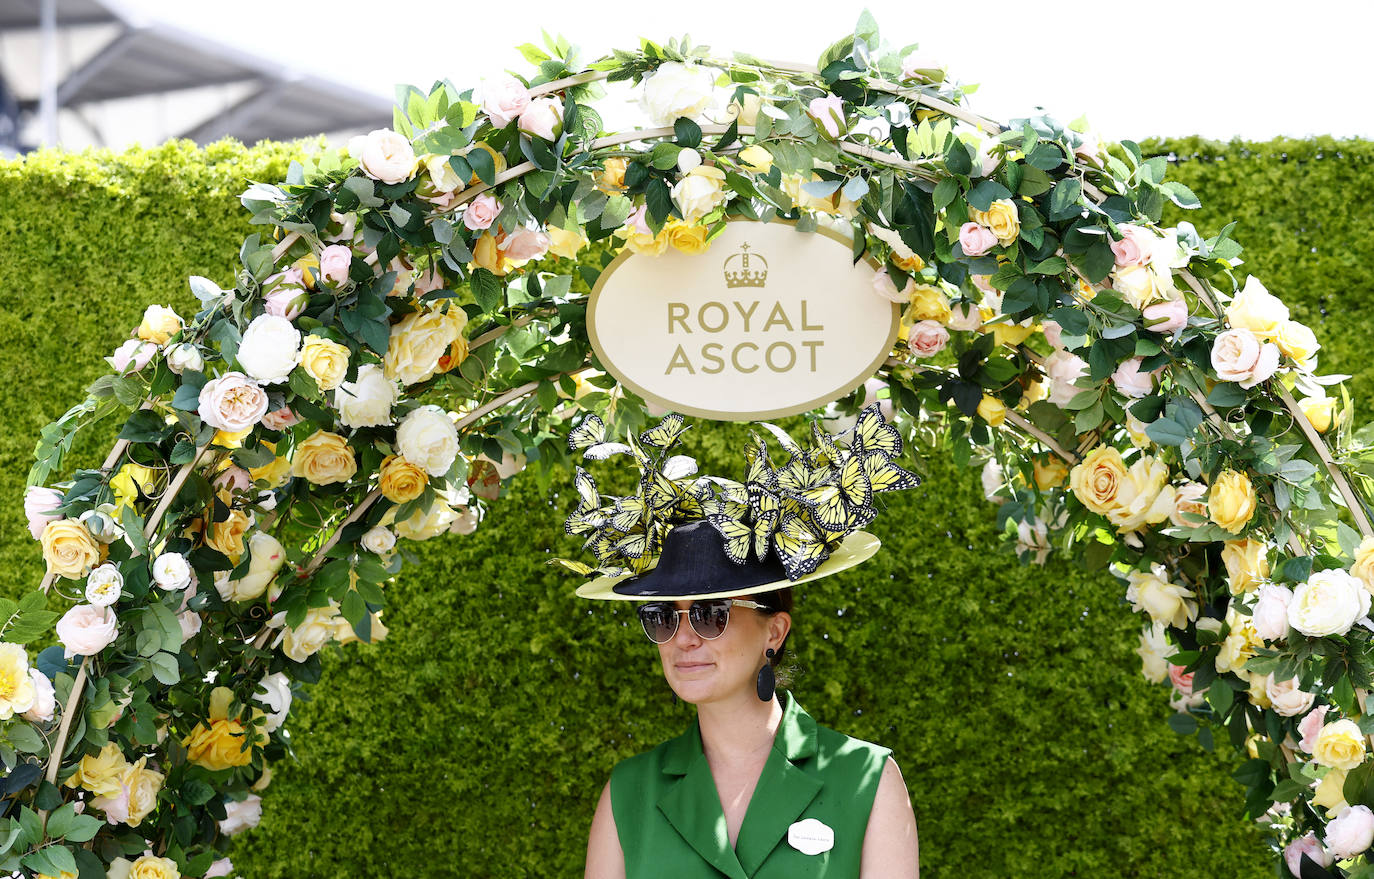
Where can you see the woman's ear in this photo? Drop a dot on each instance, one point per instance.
(779, 624)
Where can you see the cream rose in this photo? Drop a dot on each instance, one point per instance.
(420, 340)
(324, 459)
(160, 324)
(1231, 502)
(104, 585)
(384, 155)
(1329, 603)
(1246, 564)
(1364, 563)
(1166, 603)
(1142, 285)
(315, 631)
(1330, 793)
(1188, 499)
(676, 89)
(378, 540)
(275, 692)
(1097, 479)
(241, 815)
(1351, 833)
(1154, 652)
(266, 557)
(424, 524)
(1239, 356)
(504, 98)
(700, 192)
(184, 356)
(1257, 310)
(1064, 370)
(270, 349)
(1286, 698)
(85, 630)
(1240, 644)
(1340, 745)
(324, 360)
(18, 692)
(367, 401)
(428, 439)
(69, 549)
(146, 867)
(756, 159)
(44, 698)
(1271, 611)
(1000, 218)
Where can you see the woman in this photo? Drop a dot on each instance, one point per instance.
(754, 789)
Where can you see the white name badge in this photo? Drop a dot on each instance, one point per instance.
(811, 837)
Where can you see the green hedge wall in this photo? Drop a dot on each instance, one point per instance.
(475, 739)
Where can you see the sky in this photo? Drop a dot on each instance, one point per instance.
(1217, 68)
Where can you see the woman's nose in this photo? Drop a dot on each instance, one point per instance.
(685, 636)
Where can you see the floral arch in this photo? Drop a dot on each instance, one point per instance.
(409, 330)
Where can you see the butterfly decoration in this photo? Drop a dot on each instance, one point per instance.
(801, 510)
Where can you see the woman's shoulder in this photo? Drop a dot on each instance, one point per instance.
(835, 747)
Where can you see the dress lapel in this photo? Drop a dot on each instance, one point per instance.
(784, 790)
(692, 805)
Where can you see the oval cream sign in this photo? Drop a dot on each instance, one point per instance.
(767, 322)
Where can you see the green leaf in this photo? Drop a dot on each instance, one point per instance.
(1167, 432)
(1064, 199)
(165, 669)
(487, 290)
(26, 739)
(659, 200)
(483, 164)
(84, 828)
(985, 193)
(688, 133)
(60, 821)
(946, 191)
(144, 426)
(1226, 395)
(1181, 195)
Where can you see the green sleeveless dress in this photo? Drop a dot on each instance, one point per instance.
(671, 825)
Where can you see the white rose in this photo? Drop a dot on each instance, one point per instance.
(44, 698)
(1351, 832)
(542, 118)
(241, 815)
(104, 585)
(504, 98)
(745, 111)
(428, 439)
(1257, 310)
(992, 479)
(1239, 356)
(171, 571)
(384, 155)
(1288, 700)
(379, 540)
(676, 89)
(85, 630)
(270, 349)
(1329, 603)
(315, 631)
(699, 192)
(275, 693)
(184, 356)
(1063, 370)
(1165, 602)
(965, 316)
(1154, 652)
(424, 524)
(1271, 611)
(884, 286)
(366, 402)
(222, 867)
(190, 623)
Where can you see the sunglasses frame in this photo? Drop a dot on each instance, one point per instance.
(678, 612)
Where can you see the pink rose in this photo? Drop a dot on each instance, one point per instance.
(927, 338)
(280, 419)
(965, 316)
(542, 118)
(1089, 149)
(525, 243)
(637, 221)
(133, 355)
(884, 287)
(222, 867)
(1239, 356)
(85, 630)
(234, 479)
(1054, 333)
(984, 283)
(1135, 247)
(44, 699)
(1130, 381)
(39, 504)
(189, 621)
(1167, 316)
(1310, 726)
(1286, 698)
(1307, 845)
(287, 302)
(116, 808)
(1063, 370)
(1182, 681)
(335, 261)
(428, 281)
(1271, 611)
(504, 99)
(976, 240)
(481, 213)
(232, 402)
(829, 112)
(1351, 833)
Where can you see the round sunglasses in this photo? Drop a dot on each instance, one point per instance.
(707, 617)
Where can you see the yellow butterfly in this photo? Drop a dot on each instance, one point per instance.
(589, 436)
(823, 452)
(799, 548)
(666, 433)
(873, 434)
(629, 512)
(884, 475)
(854, 484)
(659, 492)
(827, 507)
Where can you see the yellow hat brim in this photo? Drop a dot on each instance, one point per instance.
(855, 548)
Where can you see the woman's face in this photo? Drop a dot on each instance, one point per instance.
(708, 671)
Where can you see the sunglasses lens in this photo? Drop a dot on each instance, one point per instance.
(659, 621)
(709, 617)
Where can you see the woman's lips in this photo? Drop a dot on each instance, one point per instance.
(689, 667)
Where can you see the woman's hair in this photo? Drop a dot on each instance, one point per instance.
(774, 601)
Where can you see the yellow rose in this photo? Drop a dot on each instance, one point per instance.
(1257, 310)
(1143, 496)
(69, 549)
(565, 244)
(424, 524)
(642, 242)
(1339, 745)
(1034, 392)
(146, 867)
(928, 302)
(1330, 792)
(686, 237)
(1010, 335)
(1296, 341)
(1087, 291)
(1364, 563)
(1049, 473)
(324, 360)
(486, 255)
(220, 744)
(324, 459)
(1001, 218)
(611, 180)
(274, 472)
(129, 481)
(421, 340)
(231, 439)
(401, 480)
(992, 410)
(102, 773)
(755, 158)
(457, 353)
(1231, 502)
(227, 536)
(1240, 643)
(1096, 480)
(1246, 564)
(316, 630)
(1166, 603)
(143, 785)
(159, 324)
(1319, 412)
(911, 265)
(63, 875)
(1258, 692)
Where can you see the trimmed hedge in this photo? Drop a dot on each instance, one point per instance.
(476, 738)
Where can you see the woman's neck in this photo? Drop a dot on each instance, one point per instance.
(739, 728)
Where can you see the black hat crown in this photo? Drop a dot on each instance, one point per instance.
(693, 562)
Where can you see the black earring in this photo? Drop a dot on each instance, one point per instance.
(767, 682)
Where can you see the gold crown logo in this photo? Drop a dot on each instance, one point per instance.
(739, 273)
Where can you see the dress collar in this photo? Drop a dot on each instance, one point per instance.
(796, 738)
